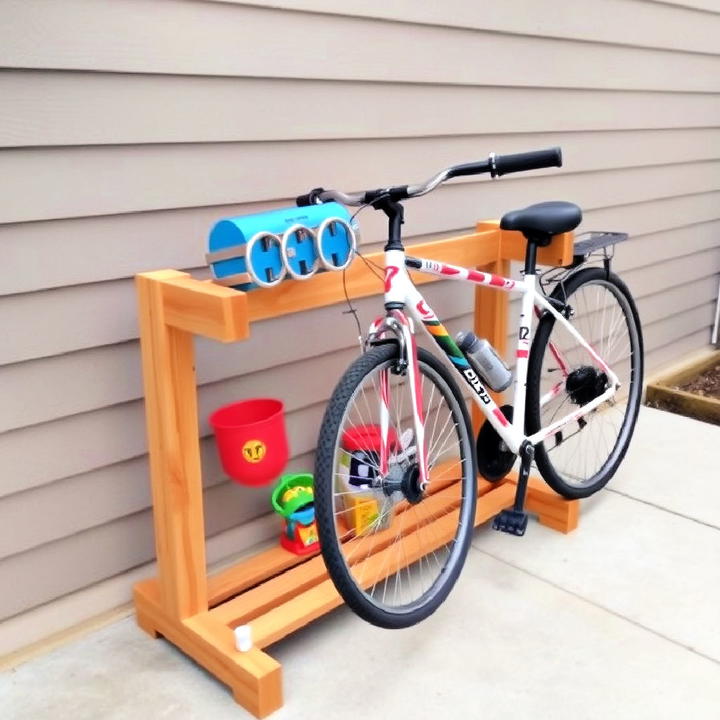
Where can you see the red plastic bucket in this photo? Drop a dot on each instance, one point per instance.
(251, 440)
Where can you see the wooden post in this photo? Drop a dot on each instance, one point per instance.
(173, 443)
(491, 314)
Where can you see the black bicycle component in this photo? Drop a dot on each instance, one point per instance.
(395, 213)
(514, 521)
(496, 165)
(410, 485)
(494, 459)
(585, 384)
(473, 168)
(511, 522)
(311, 198)
(520, 162)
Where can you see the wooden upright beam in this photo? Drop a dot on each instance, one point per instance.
(173, 443)
(202, 308)
(491, 315)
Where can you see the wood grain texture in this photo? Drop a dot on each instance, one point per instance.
(202, 308)
(172, 427)
(254, 677)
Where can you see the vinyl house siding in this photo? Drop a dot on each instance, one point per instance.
(127, 128)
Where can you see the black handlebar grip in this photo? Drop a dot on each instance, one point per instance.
(473, 168)
(519, 162)
(310, 198)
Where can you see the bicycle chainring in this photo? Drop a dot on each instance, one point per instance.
(494, 460)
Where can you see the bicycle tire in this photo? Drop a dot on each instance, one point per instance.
(328, 445)
(553, 476)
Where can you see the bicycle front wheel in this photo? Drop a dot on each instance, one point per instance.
(393, 549)
(579, 459)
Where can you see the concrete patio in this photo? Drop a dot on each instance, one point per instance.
(619, 619)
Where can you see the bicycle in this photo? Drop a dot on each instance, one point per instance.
(396, 461)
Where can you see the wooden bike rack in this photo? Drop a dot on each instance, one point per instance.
(274, 592)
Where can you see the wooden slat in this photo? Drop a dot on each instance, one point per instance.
(310, 571)
(490, 317)
(684, 403)
(175, 237)
(320, 599)
(360, 281)
(688, 372)
(205, 309)
(185, 38)
(250, 572)
(89, 108)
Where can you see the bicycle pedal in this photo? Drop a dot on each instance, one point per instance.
(513, 522)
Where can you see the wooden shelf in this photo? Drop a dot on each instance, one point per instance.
(276, 592)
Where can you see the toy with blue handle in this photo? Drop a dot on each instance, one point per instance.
(232, 265)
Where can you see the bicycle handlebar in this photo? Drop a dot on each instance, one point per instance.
(496, 165)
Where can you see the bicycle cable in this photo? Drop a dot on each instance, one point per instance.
(352, 310)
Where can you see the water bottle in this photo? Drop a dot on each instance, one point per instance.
(484, 360)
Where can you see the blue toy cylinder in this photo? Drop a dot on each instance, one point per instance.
(235, 232)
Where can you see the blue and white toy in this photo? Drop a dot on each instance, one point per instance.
(261, 250)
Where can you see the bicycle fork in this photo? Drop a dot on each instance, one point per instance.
(397, 324)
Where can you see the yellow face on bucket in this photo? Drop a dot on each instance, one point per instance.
(254, 451)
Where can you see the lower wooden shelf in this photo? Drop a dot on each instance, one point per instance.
(276, 592)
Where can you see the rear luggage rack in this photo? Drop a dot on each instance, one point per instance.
(590, 242)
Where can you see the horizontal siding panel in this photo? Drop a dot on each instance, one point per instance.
(669, 301)
(683, 269)
(679, 324)
(87, 316)
(82, 108)
(106, 180)
(220, 39)
(115, 434)
(667, 246)
(86, 557)
(122, 245)
(37, 455)
(674, 350)
(611, 21)
(111, 375)
(122, 489)
(710, 6)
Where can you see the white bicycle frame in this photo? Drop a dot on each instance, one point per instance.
(400, 292)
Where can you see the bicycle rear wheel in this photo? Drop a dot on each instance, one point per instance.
(394, 551)
(580, 459)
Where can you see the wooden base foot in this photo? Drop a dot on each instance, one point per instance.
(145, 624)
(276, 593)
(553, 510)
